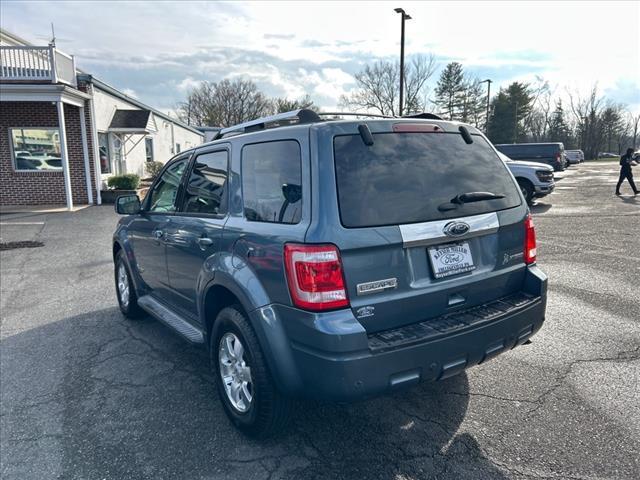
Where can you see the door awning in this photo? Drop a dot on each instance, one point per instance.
(132, 122)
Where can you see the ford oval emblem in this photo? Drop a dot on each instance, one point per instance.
(456, 229)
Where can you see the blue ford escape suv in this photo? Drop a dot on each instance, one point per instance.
(335, 259)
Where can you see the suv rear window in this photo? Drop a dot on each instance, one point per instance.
(404, 177)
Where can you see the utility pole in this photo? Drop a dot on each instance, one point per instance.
(486, 123)
(403, 16)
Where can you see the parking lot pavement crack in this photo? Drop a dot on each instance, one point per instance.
(161, 354)
(420, 418)
(533, 475)
(478, 452)
(627, 355)
(493, 397)
(37, 438)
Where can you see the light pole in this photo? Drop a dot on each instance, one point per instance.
(515, 124)
(488, 82)
(403, 16)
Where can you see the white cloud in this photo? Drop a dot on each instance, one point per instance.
(130, 92)
(188, 84)
(572, 44)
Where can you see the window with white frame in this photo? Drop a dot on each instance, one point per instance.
(105, 156)
(148, 147)
(36, 148)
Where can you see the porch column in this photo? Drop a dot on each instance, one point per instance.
(64, 155)
(85, 154)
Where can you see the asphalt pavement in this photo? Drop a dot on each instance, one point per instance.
(87, 394)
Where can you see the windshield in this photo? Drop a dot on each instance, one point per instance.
(404, 178)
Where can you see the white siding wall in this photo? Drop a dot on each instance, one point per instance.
(163, 143)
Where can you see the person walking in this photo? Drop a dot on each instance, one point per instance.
(626, 162)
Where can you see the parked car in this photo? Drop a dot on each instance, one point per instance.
(38, 162)
(333, 259)
(535, 179)
(549, 153)
(574, 156)
(608, 155)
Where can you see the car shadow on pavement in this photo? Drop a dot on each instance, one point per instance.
(120, 399)
(539, 207)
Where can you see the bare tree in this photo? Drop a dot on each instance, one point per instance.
(588, 110)
(224, 103)
(281, 105)
(537, 120)
(378, 86)
(635, 121)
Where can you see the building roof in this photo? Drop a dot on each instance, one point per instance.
(117, 93)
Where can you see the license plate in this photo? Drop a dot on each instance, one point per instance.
(451, 259)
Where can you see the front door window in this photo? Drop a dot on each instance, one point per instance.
(165, 191)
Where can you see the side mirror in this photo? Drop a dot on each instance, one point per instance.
(128, 205)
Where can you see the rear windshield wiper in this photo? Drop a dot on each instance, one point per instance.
(468, 197)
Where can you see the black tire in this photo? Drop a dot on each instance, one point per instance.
(130, 308)
(269, 411)
(527, 189)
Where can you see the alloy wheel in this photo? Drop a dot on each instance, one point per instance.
(123, 285)
(235, 373)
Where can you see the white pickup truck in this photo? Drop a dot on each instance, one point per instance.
(535, 179)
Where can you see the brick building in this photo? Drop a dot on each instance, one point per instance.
(64, 132)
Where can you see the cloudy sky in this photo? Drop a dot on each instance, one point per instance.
(158, 50)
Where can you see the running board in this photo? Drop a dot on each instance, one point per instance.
(171, 319)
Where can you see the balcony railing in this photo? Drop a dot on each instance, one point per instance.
(36, 65)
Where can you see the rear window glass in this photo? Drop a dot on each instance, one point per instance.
(272, 182)
(404, 178)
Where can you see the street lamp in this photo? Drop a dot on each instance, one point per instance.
(403, 16)
(488, 82)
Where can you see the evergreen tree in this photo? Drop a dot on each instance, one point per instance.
(510, 107)
(558, 127)
(450, 92)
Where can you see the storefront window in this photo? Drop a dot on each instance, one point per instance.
(105, 158)
(36, 148)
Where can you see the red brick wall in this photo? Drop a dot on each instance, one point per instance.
(40, 187)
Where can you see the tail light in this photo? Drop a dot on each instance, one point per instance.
(315, 276)
(529, 241)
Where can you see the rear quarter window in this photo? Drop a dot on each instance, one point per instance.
(272, 182)
(405, 177)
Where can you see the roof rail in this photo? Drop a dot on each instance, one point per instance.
(355, 114)
(295, 116)
(424, 115)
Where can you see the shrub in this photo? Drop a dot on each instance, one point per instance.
(153, 168)
(128, 181)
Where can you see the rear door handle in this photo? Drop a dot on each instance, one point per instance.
(204, 242)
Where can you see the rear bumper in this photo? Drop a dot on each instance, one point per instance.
(330, 356)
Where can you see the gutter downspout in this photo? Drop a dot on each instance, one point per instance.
(173, 141)
(85, 154)
(96, 150)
